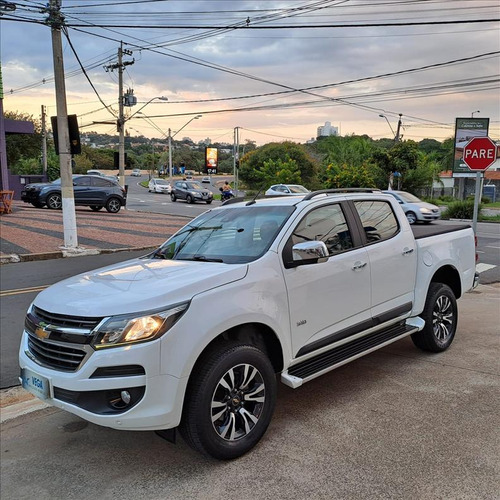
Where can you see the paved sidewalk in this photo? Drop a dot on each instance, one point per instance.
(30, 233)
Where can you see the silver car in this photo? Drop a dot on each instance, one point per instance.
(286, 190)
(415, 209)
(159, 186)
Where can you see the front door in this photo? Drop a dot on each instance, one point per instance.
(331, 300)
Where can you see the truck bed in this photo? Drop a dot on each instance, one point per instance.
(426, 230)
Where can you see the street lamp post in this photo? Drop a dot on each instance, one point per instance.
(170, 137)
(388, 123)
(472, 114)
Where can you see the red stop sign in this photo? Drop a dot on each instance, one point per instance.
(480, 153)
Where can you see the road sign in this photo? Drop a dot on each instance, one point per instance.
(479, 153)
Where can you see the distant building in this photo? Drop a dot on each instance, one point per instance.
(327, 130)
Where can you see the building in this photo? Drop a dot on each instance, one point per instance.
(327, 130)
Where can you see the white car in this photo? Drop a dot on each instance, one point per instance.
(205, 179)
(159, 186)
(136, 172)
(286, 190)
(415, 209)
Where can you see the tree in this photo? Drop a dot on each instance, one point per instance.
(252, 163)
(278, 172)
(350, 176)
(23, 145)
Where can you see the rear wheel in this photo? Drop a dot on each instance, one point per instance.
(229, 402)
(54, 201)
(113, 205)
(412, 218)
(441, 318)
(95, 208)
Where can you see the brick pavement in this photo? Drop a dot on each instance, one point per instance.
(28, 231)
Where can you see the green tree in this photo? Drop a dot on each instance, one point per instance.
(252, 163)
(350, 176)
(278, 171)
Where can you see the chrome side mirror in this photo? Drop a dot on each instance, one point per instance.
(309, 252)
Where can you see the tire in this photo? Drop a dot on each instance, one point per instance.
(189, 199)
(209, 201)
(173, 197)
(54, 201)
(441, 318)
(412, 218)
(229, 401)
(37, 204)
(113, 205)
(95, 208)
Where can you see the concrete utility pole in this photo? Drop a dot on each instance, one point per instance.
(56, 21)
(44, 140)
(236, 157)
(398, 131)
(170, 157)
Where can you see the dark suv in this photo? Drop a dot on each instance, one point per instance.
(191, 191)
(90, 190)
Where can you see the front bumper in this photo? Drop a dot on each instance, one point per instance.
(156, 398)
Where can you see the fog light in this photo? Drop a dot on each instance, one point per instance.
(125, 395)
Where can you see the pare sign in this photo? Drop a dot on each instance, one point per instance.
(480, 153)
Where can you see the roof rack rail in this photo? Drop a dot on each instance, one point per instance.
(340, 190)
(233, 200)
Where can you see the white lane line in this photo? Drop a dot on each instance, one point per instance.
(480, 268)
(491, 246)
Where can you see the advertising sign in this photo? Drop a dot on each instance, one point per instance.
(211, 160)
(465, 130)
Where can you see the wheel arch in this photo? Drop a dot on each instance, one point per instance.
(450, 276)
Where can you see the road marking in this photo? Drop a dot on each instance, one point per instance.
(491, 246)
(17, 291)
(480, 268)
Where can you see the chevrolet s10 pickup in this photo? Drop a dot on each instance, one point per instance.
(196, 335)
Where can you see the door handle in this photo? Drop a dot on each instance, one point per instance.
(407, 251)
(358, 265)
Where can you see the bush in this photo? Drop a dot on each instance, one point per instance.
(484, 199)
(460, 210)
(446, 199)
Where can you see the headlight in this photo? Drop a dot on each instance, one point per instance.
(196, 195)
(425, 210)
(130, 329)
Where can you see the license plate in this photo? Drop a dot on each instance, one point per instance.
(36, 384)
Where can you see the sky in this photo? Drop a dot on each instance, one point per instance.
(275, 69)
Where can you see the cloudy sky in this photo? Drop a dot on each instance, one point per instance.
(276, 69)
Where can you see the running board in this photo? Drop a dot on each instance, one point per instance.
(317, 365)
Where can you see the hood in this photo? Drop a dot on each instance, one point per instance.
(136, 285)
(423, 204)
(37, 185)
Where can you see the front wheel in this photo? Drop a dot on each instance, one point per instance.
(189, 198)
(441, 318)
(209, 201)
(113, 205)
(54, 201)
(412, 218)
(229, 401)
(173, 197)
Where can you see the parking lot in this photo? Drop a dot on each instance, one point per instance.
(398, 423)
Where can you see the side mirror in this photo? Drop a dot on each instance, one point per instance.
(309, 252)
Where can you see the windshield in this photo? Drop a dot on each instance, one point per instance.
(234, 235)
(161, 182)
(408, 198)
(194, 185)
(298, 189)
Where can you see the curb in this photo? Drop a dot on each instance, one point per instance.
(81, 252)
(23, 404)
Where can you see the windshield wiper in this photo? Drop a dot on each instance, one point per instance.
(205, 259)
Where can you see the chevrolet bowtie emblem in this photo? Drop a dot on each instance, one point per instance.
(41, 332)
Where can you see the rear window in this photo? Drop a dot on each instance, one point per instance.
(101, 182)
(378, 219)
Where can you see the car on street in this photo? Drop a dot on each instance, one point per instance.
(92, 191)
(136, 172)
(191, 191)
(189, 174)
(286, 190)
(95, 172)
(415, 209)
(205, 180)
(159, 186)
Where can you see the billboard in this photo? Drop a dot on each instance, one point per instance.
(211, 160)
(465, 130)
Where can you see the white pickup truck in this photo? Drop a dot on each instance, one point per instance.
(192, 335)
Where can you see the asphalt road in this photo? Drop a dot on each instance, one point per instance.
(395, 424)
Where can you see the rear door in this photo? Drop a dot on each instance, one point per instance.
(101, 189)
(82, 190)
(331, 300)
(391, 252)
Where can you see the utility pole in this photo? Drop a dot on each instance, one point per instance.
(398, 131)
(56, 21)
(120, 122)
(170, 157)
(236, 157)
(44, 140)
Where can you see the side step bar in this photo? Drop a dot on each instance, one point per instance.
(338, 356)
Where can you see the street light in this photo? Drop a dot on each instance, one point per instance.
(472, 115)
(388, 123)
(170, 136)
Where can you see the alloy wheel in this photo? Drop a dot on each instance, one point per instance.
(442, 318)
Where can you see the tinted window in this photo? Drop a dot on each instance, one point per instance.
(326, 224)
(81, 181)
(378, 219)
(100, 182)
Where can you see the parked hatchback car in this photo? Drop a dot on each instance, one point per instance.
(91, 191)
(415, 209)
(286, 189)
(191, 191)
(159, 186)
(136, 172)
